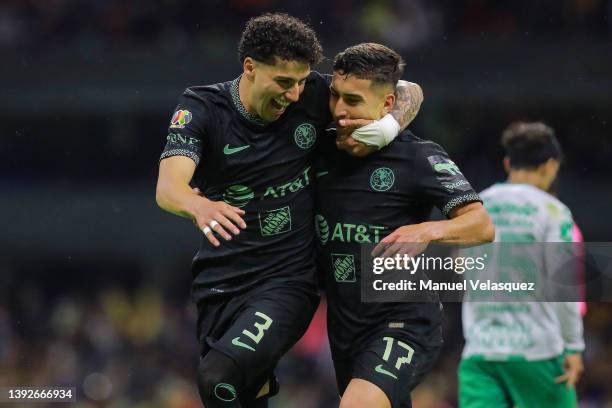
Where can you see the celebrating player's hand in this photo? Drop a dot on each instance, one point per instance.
(344, 140)
(408, 240)
(573, 367)
(217, 216)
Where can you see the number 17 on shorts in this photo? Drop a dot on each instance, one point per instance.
(404, 358)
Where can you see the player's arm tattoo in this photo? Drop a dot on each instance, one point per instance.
(408, 98)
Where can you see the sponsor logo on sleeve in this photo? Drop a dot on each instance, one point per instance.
(566, 230)
(448, 174)
(177, 138)
(180, 119)
(444, 165)
(461, 185)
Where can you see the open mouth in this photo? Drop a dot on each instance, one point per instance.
(279, 105)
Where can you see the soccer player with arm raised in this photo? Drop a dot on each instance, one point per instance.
(246, 145)
(381, 351)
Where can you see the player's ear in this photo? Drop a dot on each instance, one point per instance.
(248, 66)
(550, 168)
(507, 164)
(553, 165)
(542, 169)
(389, 103)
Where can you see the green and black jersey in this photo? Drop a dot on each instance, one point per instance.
(263, 169)
(362, 200)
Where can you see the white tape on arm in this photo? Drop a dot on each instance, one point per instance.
(378, 133)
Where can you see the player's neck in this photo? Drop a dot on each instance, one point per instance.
(527, 177)
(244, 93)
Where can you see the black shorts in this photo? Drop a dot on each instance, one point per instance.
(391, 361)
(257, 327)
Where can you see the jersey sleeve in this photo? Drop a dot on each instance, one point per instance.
(562, 256)
(560, 223)
(570, 321)
(187, 129)
(440, 180)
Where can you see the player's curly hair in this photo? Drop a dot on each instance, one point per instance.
(529, 144)
(371, 61)
(279, 35)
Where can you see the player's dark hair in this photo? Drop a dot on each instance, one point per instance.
(279, 35)
(530, 144)
(372, 61)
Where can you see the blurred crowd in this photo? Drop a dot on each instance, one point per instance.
(137, 348)
(171, 24)
(117, 349)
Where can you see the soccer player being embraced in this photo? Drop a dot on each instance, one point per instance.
(246, 146)
(525, 354)
(381, 351)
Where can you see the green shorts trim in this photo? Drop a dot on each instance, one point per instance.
(513, 383)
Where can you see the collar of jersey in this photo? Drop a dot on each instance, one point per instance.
(240, 107)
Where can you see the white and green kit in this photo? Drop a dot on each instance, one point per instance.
(533, 335)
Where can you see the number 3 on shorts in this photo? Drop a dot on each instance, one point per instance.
(400, 360)
(260, 326)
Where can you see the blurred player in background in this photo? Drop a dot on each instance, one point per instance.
(524, 354)
(246, 146)
(381, 351)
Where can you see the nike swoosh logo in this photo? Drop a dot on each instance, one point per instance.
(236, 342)
(379, 369)
(231, 150)
(321, 173)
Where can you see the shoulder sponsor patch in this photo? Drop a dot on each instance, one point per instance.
(448, 174)
(566, 230)
(444, 165)
(180, 119)
(177, 138)
(461, 185)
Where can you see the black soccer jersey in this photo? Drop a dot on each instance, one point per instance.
(263, 169)
(362, 200)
